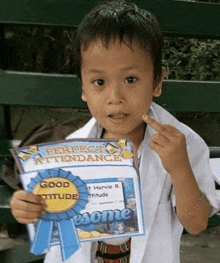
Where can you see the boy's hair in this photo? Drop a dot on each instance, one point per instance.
(123, 21)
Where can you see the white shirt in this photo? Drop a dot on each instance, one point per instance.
(161, 242)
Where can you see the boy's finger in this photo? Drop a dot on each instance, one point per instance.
(28, 197)
(18, 214)
(27, 221)
(154, 124)
(172, 128)
(26, 206)
(157, 148)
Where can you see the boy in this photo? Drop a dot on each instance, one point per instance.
(118, 62)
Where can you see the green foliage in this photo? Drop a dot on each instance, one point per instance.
(49, 50)
(207, 1)
(39, 49)
(192, 59)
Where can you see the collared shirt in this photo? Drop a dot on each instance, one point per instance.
(161, 242)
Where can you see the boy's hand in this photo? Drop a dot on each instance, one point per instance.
(170, 144)
(27, 207)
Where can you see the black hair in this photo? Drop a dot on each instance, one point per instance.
(124, 21)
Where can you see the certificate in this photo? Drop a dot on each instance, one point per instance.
(91, 188)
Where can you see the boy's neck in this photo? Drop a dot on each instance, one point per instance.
(136, 138)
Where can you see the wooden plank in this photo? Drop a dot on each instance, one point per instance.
(65, 91)
(190, 96)
(52, 12)
(189, 19)
(20, 254)
(2, 122)
(40, 89)
(5, 210)
(5, 123)
(5, 145)
(214, 152)
(176, 17)
(2, 46)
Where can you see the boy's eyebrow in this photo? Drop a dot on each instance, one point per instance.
(125, 69)
(95, 70)
(131, 67)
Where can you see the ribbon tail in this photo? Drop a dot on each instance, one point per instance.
(42, 237)
(68, 238)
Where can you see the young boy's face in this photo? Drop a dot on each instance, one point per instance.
(118, 86)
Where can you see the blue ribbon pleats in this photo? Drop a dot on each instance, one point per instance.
(67, 234)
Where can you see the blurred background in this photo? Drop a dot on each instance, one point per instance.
(49, 50)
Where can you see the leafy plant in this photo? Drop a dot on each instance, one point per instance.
(192, 59)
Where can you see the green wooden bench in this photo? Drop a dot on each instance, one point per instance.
(187, 19)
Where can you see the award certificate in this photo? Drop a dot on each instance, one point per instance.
(91, 188)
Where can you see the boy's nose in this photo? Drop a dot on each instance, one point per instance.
(115, 95)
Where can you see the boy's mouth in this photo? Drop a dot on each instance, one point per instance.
(118, 116)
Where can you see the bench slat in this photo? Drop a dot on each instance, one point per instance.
(5, 145)
(176, 17)
(190, 96)
(5, 210)
(214, 152)
(189, 19)
(46, 90)
(20, 254)
(50, 90)
(2, 123)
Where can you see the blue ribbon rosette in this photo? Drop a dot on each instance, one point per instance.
(62, 217)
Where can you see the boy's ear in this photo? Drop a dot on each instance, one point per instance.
(83, 96)
(158, 88)
(80, 80)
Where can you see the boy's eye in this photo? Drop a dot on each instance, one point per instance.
(99, 82)
(130, 80)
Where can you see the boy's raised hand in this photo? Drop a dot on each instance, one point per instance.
(170, 144)
(27, 207)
